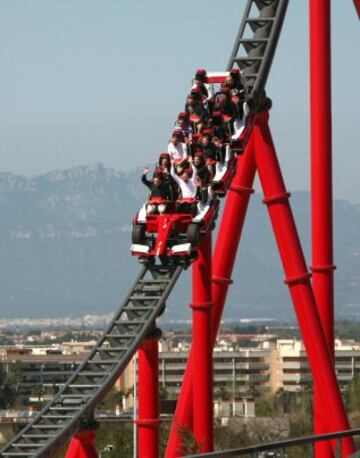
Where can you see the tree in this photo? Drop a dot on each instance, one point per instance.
(10, 376)
(222, 392)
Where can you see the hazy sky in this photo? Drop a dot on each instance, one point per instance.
(84, 81)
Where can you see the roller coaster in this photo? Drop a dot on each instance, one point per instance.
(133, 326)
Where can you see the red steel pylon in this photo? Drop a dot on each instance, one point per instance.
(223, 262)
(148, 421)
(297, 278)
(202, 347)
(82, 445)
(321, 189)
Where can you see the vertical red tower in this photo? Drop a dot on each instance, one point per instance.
(321, 186)
(202, 348)
(148, 419)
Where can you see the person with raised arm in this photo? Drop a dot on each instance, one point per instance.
(159, 193)
(188, 188)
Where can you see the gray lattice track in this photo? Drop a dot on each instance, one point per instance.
(256, 42)
(58, 420)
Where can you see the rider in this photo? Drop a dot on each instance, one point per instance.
(177, 149)
(195, 110)
(211, 153)
(223, 102)
(163, 169)
(200, 83)
(182, 123)
(159, 192)
(188, 187)
(204, 175)
(234, 80)
(195, 144)
(218, 127)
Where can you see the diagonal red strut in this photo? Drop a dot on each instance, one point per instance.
(261, 153)
(357, 7)
(223, 262)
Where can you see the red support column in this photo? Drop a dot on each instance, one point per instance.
(202, 348)
(321, 188)
(148, 385)
(230, 231)
(223, 262)
(82, 445)
(357, 7)
(298, 280)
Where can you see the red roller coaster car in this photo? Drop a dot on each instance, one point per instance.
(172, 234)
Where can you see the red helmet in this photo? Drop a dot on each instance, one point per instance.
(201, 71)
(183, 115)
(158, 173)
(177, 132)
(235, 71)
(196, 137)
(196, 90)
(165, 154)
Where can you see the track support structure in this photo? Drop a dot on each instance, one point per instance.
(82, 445)
(148, 421)
(321, 189)
(227, 242)
(261, 155)
(298, 281)
(202, 347)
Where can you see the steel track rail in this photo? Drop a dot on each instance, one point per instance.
(75, 400)
(256, 43)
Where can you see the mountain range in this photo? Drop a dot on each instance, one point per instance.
(65, 237)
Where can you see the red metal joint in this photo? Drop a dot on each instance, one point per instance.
(201, 305)
(222, 280)
(301, 278)
(241, 189)
(325, 268)
(151, 423)
(277, 198)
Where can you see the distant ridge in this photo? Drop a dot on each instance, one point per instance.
(64, 249)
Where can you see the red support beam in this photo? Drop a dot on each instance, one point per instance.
(148, 388)
(298, 280)
(357, 7)
(82, 445)
(202, 348)
(321, 189)
(227, 242)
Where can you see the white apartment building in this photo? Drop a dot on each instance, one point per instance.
(292, 372)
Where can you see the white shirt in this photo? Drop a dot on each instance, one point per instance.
(178, 151)
(188, 188)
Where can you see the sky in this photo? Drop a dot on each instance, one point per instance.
(88, 80)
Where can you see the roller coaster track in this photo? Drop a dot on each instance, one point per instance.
(58, 420)
(253, 53)
(256, 43)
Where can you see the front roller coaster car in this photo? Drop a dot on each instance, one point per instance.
(172, 234)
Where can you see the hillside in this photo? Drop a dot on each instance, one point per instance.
(64, 249)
